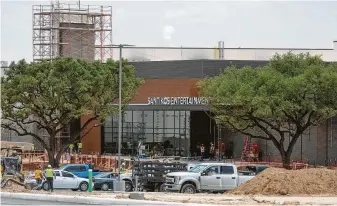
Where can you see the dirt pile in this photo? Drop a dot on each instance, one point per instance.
(12, 187)
(275, 181)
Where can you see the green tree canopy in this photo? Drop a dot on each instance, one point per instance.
(272, 102)
(52, 95)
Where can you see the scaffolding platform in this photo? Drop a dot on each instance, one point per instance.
(76, 30)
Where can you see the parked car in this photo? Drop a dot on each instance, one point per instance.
(80, 170)
(104, 181)
(206, 177)
(67, 180)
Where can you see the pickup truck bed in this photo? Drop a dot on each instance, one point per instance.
(151, 175)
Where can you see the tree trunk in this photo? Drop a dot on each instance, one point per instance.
(285, 155)
(52, 160)
(59, 155)
(286, 159)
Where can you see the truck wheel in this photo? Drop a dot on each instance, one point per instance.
(188, 189)
(84, 186)
(105, 187)
(162, 188)
(128, 186)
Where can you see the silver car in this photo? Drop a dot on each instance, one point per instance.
(67, 180)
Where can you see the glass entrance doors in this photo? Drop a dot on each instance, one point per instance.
(162, 133)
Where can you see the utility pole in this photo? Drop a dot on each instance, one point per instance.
(120, 185)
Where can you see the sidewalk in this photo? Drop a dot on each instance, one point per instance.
(87, 200)
(200, 199)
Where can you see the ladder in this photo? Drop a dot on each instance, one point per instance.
(246, 148)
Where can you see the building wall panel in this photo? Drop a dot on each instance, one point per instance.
(167, 88)
(92, 141)
(77, 43)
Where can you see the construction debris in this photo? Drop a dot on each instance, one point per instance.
(13, 186)
(276, 181)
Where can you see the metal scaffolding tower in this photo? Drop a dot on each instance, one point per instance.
(221, 46)
(64, 29)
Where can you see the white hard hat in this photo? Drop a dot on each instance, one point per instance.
(49, 166)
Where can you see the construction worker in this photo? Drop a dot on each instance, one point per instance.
(123, 168)
(211, 151)
(217, 153)
(79, 147)
(38, 176)
(50, 175)
(2, 169)
(202, 150)
(33, 148)
(71, 147)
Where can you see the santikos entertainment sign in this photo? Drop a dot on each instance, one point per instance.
(177, 101)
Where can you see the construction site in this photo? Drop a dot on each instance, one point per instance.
(156, 136)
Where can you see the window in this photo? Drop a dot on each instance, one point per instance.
(83, 169)
(169, 120)
(108, 122)
(67, 174)
(182, 117)
(115, 121)
(103, 175)
(227, 170)
(197, 168)
(158, 121)
(147, 117)
(150, 127)
(73, 169)
(212, 170)
(127, 118)
(57, 173)
(176, 119)
(138, 117)
(108, 136)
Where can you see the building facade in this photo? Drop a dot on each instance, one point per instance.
(168, 115)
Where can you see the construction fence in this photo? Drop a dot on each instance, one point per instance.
(295, 164)
(33, 160)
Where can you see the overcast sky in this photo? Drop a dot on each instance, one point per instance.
(310, 24)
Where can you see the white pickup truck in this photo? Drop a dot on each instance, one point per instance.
(206, 177)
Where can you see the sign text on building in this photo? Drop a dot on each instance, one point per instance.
(177, 101)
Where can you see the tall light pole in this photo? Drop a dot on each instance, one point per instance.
(120, 46)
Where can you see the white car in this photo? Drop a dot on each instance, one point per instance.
(67, 180)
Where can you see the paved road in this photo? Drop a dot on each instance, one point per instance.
(10, 201)
(13, 201)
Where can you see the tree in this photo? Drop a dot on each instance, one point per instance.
(53, 95)
(274, 102)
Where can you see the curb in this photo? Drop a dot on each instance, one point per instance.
(89, 200)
